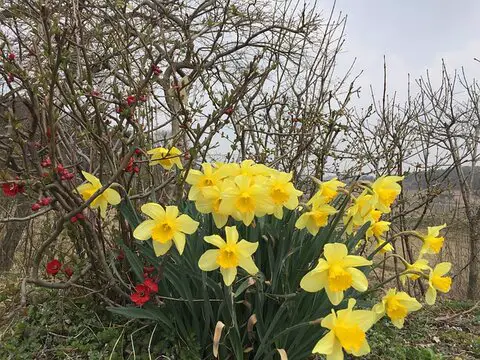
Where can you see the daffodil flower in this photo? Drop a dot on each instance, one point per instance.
(378, 227)
(165, 157)
(229, 256)
(386, 189)
(432, 242)
(209, 202)
(165, 228)
(336, 273)
(418, 266)
(396, 305)
(360, 212)
(109, 196)
(283, 193)
(348, 329)
(387, 248)
(202, 180)
(245, 199)
(437, 281)
(326, 192)
(315, 219)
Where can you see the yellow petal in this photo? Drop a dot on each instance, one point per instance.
(171, 212)
(179, 240)
(335, 252)
(325, 344)
(215, 240)
(409, 302)
(186, 224)
(364, 349)
(314, 281)
(112, 196)
(364, 318)
(92, 179)
(431, 295)
(302, 221)
(359, 280)
(335, 297)
(208, 260)
(229, 275)
(329, 320)
(144, 230)
(220, 220)
(155, 211)
(231, 234)
(337, 353)
(161, 248)
(246, 248)
(193, 176)
(354, 261)
(248, 265)
(102, 203)
(442, 268)
(86, 188)
(398, 323)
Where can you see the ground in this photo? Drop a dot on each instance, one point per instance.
(55, 326)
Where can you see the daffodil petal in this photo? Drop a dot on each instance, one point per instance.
(179, 240)
(208, 260)
(220, 220)
(325, 344)
(335, 297)
(329, 320)
(246, 248)
(314, 281)
(337, 352)
(364, 349)
(229, 275)
(161, 248)
(431, 295)
(144, 230)
(359, 280)
(442, 268)
(231, 234)
(186, 224)
(248, 264)
(335, 252)
(398, 323)
(364, 318)
(215, 240)
(112, 196)
(102, 203)
(155, 211)
(355, 261)
(171, 212)
(92, 179)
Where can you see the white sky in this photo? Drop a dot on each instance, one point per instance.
(414, 35)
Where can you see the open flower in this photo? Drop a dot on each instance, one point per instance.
(53, 267)
(378, 227)
(418, 267)
(360, 212)
(336, 273)
(165, 228)
(432, 242)
(347, 332)
(396, 305)
(141, 295)
(437, 281)
(12, 189)
(388, 247)
(201, 180)
(283, 193)
(386, 188)
(245, 199)
(166, 158)
(315, 219)
(326, 192)
(229, 255)
(151, 285)
(109, 196)
(211, 200)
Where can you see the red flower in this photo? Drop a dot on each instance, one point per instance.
(131, 100)
(80, 216)
(141, 295)
(129, 167)
(60, 169)
(12, 189)
(138, 152)
(151, 285)
(46, 162)
(143, 98)
(229, 110)
(95, 93)
(11, 57)
(36, 207)
(156, 70)
(10, 78)
(136, 169)
(53, 267)
(68, 271)
(45, 201)
(73, 219)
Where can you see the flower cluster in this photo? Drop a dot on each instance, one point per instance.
(11, 189)
(54, 266)
(143, 291)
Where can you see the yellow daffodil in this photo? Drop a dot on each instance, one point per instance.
(210, 202)
(336, 273)
(283, 193)
(165, 227)
(396, 305)
(246, 199)
(109, 196)
(378, 227)
(229, 255)
(166, 158)
(315, 219)
(251, 169)
(437, 281)
(326, 192)
(347, 332)
(386, 189)
(360, 212)
(432, 242)
(202, 180)
(418, 266)
(387, 248)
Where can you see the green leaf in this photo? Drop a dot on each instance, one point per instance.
(141, 313)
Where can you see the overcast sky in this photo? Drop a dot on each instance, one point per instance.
(414, 35)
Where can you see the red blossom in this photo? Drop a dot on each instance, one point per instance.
(12, 189)
(156, 70)
(10, 78)
(80, 216)
(46, 162)
(36, 207)
(68, 271)
(131, 100)
(95, 93)
(141, 295)
(151, 285)
(138, 152)
(229, 110)
(60, 169)
(148, 269)
(11, 57)
(73, 219)
(45, 201)
(136, 169)
(53, 267)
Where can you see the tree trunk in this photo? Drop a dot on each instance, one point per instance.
(473, 291)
